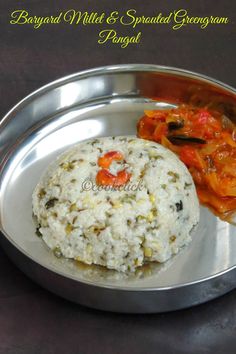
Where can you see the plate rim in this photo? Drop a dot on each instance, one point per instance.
(113, 287)
(119, 68)
(112, 69)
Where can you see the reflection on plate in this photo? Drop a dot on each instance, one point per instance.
(106, 101)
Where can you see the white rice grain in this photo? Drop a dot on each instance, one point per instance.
(119, 229)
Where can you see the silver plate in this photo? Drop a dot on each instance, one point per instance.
(102, 102)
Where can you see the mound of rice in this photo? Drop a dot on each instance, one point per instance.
(147, 219)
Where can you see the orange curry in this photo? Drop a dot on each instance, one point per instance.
(205, 141)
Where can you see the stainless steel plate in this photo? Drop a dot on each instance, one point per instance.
(102, 102)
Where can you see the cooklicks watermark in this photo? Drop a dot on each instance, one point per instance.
(176, 19)
(90, 185)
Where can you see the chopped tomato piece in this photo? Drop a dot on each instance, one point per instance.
(106, 178)
(203, 117)
(160, 130)
(146, 127)
(190, 156)
(106, 160)
(122, 178)
(156, 115)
